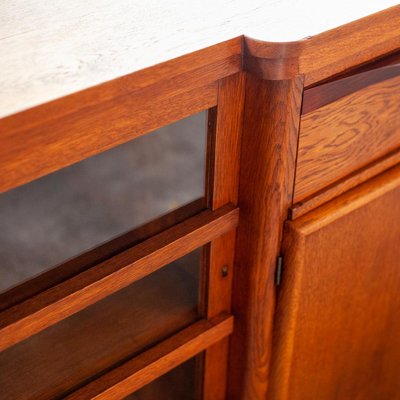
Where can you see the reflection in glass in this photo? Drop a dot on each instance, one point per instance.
(52, 362)
(180, 383)
(72, 210)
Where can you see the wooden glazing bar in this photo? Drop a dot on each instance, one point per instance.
(153, 363)
(47, 308)
(95, 256)
(102, 336)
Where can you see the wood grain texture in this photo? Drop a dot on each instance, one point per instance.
(41, 140)
(337, 50)
(57, 134)
(225, 141)
(351, 82)
(47, 308)
(225, 126)
(323, 55)
(62, 132)
(341, 137)
(348, 182)
(102, 336)
(158, 360)
(179, 383)
(337, 324)
(97, 255)
(269, 143)
(27, 154)
(375, 63)
(85, 44)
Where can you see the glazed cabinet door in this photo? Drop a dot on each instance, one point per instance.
(337, 332)
(116, 270)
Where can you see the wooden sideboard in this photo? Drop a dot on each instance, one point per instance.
(281, 281)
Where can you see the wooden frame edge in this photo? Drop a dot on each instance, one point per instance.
(268, 157)
(29, 154)
(337, 188)
(56, 128)
(54, 135)
(225, 126)
(98, 254)
(326, 54)
(160, 359)
(59, 302)
(348, 201)
(346, 84)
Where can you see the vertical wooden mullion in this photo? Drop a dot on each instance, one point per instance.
(269, 146)
(225, 124)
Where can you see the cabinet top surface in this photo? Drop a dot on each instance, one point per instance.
(52, 49)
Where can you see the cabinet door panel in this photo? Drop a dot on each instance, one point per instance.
(337, 330)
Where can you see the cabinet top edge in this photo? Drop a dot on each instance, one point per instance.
(49, 52)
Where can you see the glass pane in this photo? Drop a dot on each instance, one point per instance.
(56, 360)
(72, 210)
(180, 383)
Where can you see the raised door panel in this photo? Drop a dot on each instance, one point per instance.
(337, 332)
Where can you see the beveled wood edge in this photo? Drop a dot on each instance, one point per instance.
(207, 64)
(63, 300)
(98, 254)
(326, 54)
(347, 202)
(46, 138)
(40, 150)
(337, 188)
(326, 93)
(278, 53)
(303, 50)
(158, 360)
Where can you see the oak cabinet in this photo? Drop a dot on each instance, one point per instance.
(281, 151)
(338, 320)
(336, 327)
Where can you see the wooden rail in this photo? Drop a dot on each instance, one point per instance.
(59, 302)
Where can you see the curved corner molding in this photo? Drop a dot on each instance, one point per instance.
(272, 61)
(326, 54)
(87, 122)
